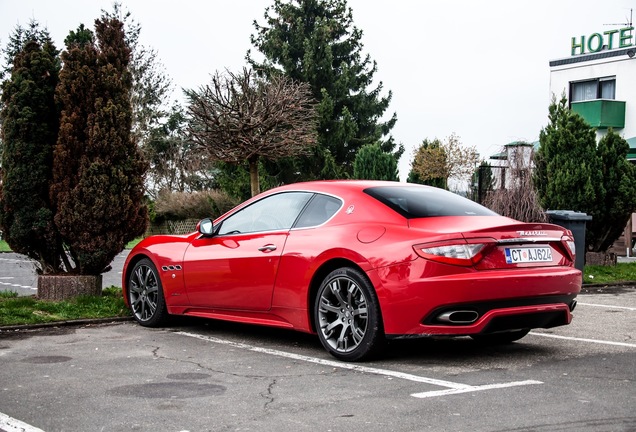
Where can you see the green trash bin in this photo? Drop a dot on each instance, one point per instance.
(575, 222)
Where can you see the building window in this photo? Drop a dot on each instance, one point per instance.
(599, 88)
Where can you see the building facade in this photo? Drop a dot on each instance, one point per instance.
(599, 82)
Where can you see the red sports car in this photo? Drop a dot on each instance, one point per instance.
(359, 262)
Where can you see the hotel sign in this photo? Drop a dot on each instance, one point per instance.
(611, 39)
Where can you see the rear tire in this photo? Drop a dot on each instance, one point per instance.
(145, 295)
(502, 338)
(347, 316)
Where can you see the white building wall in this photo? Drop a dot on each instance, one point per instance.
(623, 67)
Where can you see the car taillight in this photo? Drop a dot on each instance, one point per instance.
(569, 241)
(458, 252)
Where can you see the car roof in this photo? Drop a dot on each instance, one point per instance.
(335, 186)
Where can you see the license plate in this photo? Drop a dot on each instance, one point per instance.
(528, 255)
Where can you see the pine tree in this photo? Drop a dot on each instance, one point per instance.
(30, 125)
(17, 42)
(151, 86)
(315, 41)
(481, 182)
(568, 173)
(619, 180)
(485, 181)
(372, 163)
(98, 177)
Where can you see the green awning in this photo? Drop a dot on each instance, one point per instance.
(499, 156)
(518, 144)
(504, 155)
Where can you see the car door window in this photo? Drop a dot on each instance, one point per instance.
(318, 211)
(276, 212)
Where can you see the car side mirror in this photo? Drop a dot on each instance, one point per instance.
(206, 227)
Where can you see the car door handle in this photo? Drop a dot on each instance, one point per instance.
(267, 248)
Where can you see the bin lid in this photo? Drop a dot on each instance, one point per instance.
(568, 215)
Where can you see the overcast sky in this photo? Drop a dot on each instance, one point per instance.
(478, 69)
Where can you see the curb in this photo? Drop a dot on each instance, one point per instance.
(70, 323)
(608, 288)
(609, 284)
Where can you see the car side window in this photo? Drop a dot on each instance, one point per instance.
(275, 212)
(319, 210)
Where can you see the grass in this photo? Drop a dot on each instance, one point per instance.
(4, 247)
(131, 244)
(621, 272)
(15, 310)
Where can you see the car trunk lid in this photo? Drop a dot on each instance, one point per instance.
(506, 242)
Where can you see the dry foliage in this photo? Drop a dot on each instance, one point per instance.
(517, 199)
(193, 205)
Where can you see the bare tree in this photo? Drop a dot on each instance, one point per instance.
(240, 117)
(517, 198)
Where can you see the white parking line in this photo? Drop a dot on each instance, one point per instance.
(584, 340)
(10, 424)
(453, 387)
(15, 260)
(473, 388)
(17, 285)
(606, 306)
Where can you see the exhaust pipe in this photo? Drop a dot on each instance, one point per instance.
(572, 305)
(458, 317)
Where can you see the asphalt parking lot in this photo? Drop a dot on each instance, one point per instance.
(202, 375)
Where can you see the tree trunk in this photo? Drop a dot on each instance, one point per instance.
(256, 189)
(62, 287)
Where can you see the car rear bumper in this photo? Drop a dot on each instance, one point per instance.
(498, 320)
(473, 302)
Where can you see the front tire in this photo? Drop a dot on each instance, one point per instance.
(347, 316)
(145, 295)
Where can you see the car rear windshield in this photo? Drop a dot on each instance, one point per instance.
(421, 202)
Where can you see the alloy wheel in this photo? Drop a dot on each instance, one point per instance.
(343, 314)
